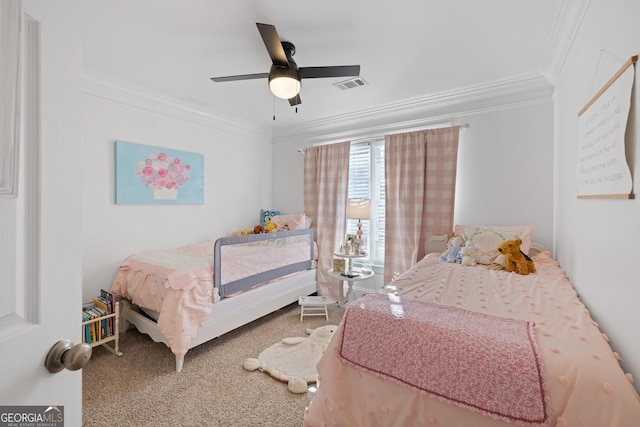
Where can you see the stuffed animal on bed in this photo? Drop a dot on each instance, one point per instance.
(270, 226)
(452, 254)
(467, 252)
(516, 260)
(293, 360)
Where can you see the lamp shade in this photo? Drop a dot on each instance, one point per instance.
(359, 208)
(284, 82)
(285, 87)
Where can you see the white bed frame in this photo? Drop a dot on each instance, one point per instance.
(229, 313)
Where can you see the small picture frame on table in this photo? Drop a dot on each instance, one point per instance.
(339, 265)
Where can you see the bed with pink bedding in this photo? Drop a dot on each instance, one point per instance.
(452, 345)
(189, 295)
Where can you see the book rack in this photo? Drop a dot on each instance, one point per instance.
(101, 330)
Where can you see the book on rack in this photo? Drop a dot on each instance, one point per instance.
(87, 310)
(103, 305)
(86, 333)
(104, 308)
(100, 324)
(111, 298)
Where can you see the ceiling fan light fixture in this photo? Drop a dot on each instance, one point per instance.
(284, 83)
(285, 77)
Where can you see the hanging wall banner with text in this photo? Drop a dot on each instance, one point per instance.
(602, 169)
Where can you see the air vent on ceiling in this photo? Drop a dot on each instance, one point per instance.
(351, 83)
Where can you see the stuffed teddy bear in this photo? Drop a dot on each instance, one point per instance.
(452, 254)
(516, 260)
(293, 360)
(467, 252)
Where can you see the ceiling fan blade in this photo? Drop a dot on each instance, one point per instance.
(240, 77)
(336, 71)
(273, 44)
(295, 100)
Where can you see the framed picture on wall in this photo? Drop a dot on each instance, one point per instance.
(157, 176)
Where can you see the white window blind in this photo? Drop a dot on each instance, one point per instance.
(366, 180)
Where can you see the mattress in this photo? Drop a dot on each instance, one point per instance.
(585, 383)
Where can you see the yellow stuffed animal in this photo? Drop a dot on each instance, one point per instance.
(516, 260)
(270, 226)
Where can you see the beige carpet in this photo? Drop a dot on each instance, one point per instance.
(213, 389)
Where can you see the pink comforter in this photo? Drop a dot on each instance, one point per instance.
(178, 283)
(585, 382)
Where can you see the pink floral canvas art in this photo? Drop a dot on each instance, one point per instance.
(155, 175)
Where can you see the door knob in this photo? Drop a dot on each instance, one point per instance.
(66, 355)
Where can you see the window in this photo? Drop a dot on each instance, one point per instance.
(366, 180)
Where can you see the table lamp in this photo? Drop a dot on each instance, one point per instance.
(358, 209)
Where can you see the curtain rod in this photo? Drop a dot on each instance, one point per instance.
(436, 126)
(370, 137)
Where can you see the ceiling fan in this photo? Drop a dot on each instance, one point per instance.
(285, 77)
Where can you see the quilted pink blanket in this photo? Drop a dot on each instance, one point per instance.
(485, 363)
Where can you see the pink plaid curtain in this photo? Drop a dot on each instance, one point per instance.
(420, 172)
(326, 178)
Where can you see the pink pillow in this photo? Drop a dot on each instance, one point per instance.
(293, 221)
(486, 238)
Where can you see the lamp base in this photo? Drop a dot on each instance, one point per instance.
(358, 242)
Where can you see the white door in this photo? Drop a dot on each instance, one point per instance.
(40, 230)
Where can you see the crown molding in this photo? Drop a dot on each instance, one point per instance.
(107, 87)
(411, 113)
(570, 18)
(422, 111)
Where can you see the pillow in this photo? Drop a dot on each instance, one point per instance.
(293, 221)
(486, 238)
(307, 221)
(266, 214)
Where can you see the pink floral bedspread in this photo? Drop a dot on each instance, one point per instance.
(481, 362)
(585, 381)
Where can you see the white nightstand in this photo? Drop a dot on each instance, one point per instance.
(340, 276)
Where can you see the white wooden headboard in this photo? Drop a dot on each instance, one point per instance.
(435, 243)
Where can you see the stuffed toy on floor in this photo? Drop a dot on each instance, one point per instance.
(293, 360)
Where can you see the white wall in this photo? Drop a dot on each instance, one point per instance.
(237, 178)
(505, 163)
(595, 238)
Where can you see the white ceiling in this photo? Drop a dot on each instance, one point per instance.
(406, 49)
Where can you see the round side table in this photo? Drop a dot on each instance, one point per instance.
(349, 279)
